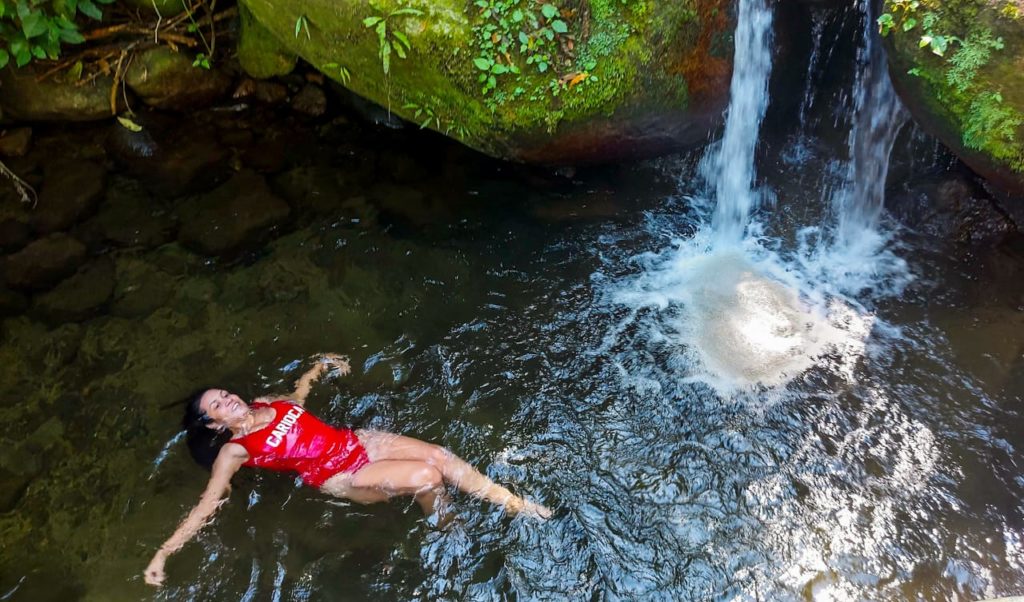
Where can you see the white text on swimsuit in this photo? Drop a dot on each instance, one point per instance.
(277, 435)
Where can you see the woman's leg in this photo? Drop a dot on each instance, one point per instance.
(382, 480)
(382, 446)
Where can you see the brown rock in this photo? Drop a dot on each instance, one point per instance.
(15, 143)
(311, 100)
(238, 215)
(44, 262)
(80, 296)
(14, 234)
(71, 191)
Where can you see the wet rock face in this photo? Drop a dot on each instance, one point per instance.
(952, 208)
(238, 215)
(620, 80)
(129, 218)
(71, 191)
(44, 262)
(167, 79)
(80, 297)
(170, 157)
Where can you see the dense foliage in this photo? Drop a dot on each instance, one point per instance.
(38, 28)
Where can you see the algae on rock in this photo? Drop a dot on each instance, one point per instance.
(572, 82)
(955, 65)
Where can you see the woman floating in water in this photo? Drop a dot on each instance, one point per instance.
(278, 433)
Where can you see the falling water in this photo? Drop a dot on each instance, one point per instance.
(729, 166)
(878, 117)
(738, 307)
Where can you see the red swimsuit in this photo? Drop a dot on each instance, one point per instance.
(296, 440)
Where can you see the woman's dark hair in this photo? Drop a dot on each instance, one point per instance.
(204, 443)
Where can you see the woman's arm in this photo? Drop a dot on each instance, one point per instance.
(305, 382)
(229, 460)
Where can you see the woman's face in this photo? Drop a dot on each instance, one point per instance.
(222, 407)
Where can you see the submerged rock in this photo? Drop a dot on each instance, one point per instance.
(44, 262)
(71, 191)
(79, 297)
(238, 215)
(169, 157)
(595, 81)
(310, 100)
(130, 218)
(141, 289)
(14, 234)
(972, 96)
(15, 143)
(167, 79)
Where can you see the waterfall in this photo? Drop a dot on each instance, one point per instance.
(729, 166)
(878, 117)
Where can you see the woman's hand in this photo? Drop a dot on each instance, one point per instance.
(154, 574)
(339, 362)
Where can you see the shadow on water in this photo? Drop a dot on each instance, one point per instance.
(478, 304)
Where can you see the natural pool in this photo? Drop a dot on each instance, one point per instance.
(492, 309)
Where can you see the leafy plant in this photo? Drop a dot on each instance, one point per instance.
(37, 29)
(201, 60)
(429, 116)
(343, 73)
(388, 37)
(302, 23)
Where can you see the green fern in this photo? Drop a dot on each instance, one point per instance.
(973, 54)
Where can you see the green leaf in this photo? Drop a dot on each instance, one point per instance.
(298, 26)
(925, 40)
(559, 26)
(915, 72)
(89, 9)
(71, 36)
(909, 24)
(401, 37)
(523, 38)
(542, 66)
(74, 73)
(33, 24)
(407, 11)
(548, 11)
(4, 58)
(371, 21)
(499, 69)
(3, 11)
(39, 52)
(398, 49)
(482, 63)
(425, 123)
(517, 16)
(128, 124)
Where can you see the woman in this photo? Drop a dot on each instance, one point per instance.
(363, 466)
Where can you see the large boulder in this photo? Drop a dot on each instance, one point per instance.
(563, 82)
(971, 96)
(259, 52)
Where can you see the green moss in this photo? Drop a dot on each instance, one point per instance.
(470, 72)
(964, 53)
(259, 52)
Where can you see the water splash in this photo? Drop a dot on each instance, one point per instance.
(739, 311)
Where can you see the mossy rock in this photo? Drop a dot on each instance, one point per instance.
(971, 96)
(260, 54)
(620, 78)
(167, 79)
(25, 98)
